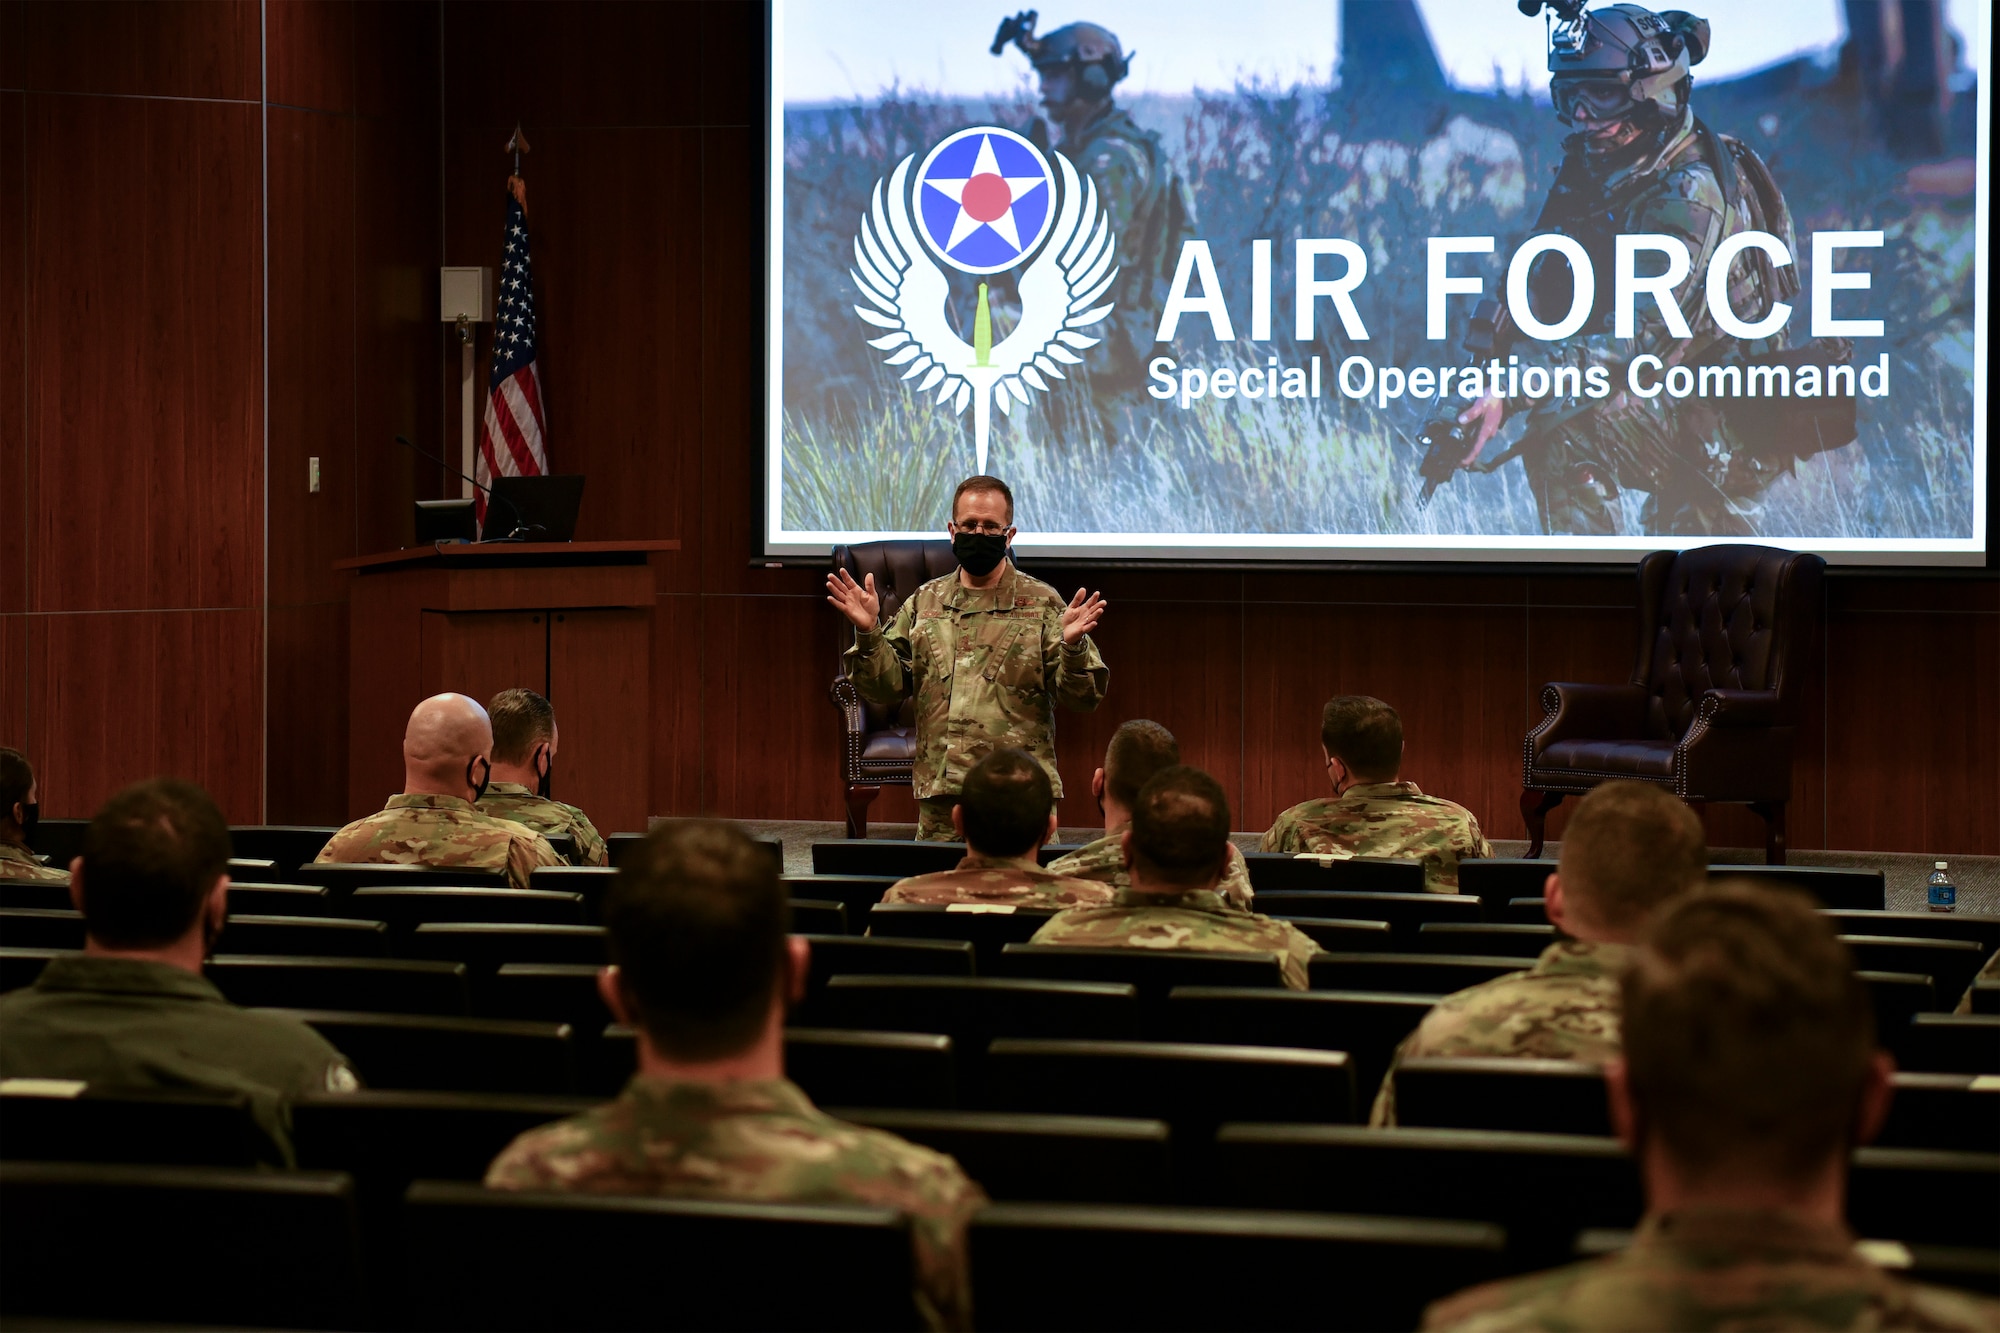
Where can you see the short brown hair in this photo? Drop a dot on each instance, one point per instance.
(151, 857)
(696, 922)
(983, 483)
(522, 720)
(1629, 848)
(1364, 733)
(1180, 827)
(1005, 803)
(1747, 1036)
(1138, 750)
(17, 779)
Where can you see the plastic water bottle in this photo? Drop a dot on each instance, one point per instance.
(1943, 893)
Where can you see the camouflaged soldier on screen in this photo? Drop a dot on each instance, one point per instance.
(1005, 814)
(19, 811)
(525, 741)
(703, 968)
(1372, 812)
(987, 652)
(1641, 162)
(447, 764)
(1629, 850)
(1176, 849)
(1749, 1075)
(1151, 210)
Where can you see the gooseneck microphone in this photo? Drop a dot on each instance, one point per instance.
(520, 530)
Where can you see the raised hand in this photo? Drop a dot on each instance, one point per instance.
(1485, 417)
(1080, 617)
(857, 601)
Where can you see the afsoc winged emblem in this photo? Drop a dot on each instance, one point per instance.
(983, 204)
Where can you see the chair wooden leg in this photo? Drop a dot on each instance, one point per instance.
(1535, 807)
(859, 797)
(1774, 830)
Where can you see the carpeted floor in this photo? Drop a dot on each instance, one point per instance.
(1977, 877)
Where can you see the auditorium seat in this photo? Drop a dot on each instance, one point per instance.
(1498, 880)
(1411, 973)
(1282, 872)
(427, 1053)
(61, 840)
(1955, 1112)
(597, 1263)
(859, 892)
(836, 955)
(1542, 1188)
(1950, 964)
(814, 916)
(592, 882)
(1526, 911)
(288, 846)
(1985, 997)
(258, 871)
(562, 845)
(484, 946)
(835, 1068)
(167, 1127)
(373, 985)
(1404, 912)
(896, 857)
(41, 928)
(404, 909)
(1496, 940)
(1153, 972)
(1898, 996)
(1043, 1266)
(20, 967)
(1950, 1044)
(344, 878)
(1192, 1087)
(548, 992)
(617, 844)
(1043, 1158)
(387, 1139)
(1925, 1196)
(1368, 1026)
(1345, 934)
(989, 931)
(1834, 886)
(1982, 929)
(35, 895)
(1530, 1096)
(280, 899)
(186, 1245)
(312, 936)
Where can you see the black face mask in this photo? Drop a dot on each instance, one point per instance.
(31, 818)
(479, 787)
(979, 553)
(548, 768)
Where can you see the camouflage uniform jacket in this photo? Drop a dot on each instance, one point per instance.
(1565, 1007)
(17, 862)
(510, 800)
(131, 1025)
(1197, 920)
(1019, 880)
(423, 830)
(756, 1142)
(1384, 819)
(987, 666)
(1716, 1268)
(1104, 861)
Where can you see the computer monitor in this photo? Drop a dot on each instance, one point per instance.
(539, 509)
(445, 521)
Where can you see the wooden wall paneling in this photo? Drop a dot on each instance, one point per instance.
(771, 746)
(14, 681)
(145, 48)
(678, 707)
(397, 74)
(142, 694)
(480, 653)
(306, 727)
(603, 714)
(16, 518)
(598, 64)
(145, 406)
(13, 36)
(312, 350)
(384, 683)
(309, 52)
(732, 44)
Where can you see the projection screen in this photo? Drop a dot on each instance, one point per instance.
(1303, 280)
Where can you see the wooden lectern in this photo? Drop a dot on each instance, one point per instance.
(570, 620)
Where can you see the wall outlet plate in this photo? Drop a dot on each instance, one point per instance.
(312, 476)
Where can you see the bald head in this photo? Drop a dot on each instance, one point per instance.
(448, 747)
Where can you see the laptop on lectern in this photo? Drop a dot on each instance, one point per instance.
(543, 508)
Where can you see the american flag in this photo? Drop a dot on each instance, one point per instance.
(511, 437)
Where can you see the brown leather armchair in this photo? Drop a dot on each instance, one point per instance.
(1711, 710)
(879, 745)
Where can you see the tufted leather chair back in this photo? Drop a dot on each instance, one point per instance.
(900, 568)
(1722, 617)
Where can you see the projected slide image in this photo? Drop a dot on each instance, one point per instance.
(1307, 279)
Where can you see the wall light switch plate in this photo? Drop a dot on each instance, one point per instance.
(312, 476)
